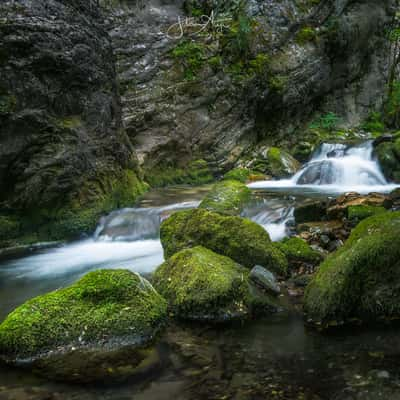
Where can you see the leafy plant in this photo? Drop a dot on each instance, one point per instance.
(328, 122)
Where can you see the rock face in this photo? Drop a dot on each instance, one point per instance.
(106, 308)
(188, 95)
(361, 280)
(238, 238)
(61, 138)
(202, 285)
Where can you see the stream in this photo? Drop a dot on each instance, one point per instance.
(275, 357)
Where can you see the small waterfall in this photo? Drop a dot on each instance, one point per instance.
(335, 169)
(335, 164)
(130, 224)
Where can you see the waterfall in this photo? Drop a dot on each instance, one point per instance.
(334, 164)
(334, 169)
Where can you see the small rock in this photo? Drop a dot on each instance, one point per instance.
(266, 279)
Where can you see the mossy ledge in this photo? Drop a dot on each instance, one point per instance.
(78, 217)
(202, 285)
(298, 251)
(360, 282)
(105, 308)
(238, 238)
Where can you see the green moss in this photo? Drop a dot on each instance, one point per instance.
(192, 55)
(238, 238)
(374, 123)
(305, 35)
(195, 173)
(298, 250)
(9, 227)
(102, 306)
(362, 279)
(227, 197)
(360, 212)
(71, 122)
(280, 163)
(238, 174)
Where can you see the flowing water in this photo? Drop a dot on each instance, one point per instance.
(273, 358)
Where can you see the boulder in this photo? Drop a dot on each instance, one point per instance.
(272, 161)
(244, 175)
(71, 330)
(202, 285)
(310, 212)
(243, 240)
(227, 197)
(362, 279)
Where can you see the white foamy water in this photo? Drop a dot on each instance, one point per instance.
(141, 256)
(335, 169)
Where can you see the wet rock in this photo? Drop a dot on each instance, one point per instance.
(386, 137)
(388, 154)
(311, 212)
(242, 240)
(108, 317)
(265, 279)
(202, 285)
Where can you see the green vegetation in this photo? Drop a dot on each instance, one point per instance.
(328, 122)
(238, 238)
(388, 154)
(192, 56)
(8, 104)
(360, 212)
(103, 305)
(360, 280)
(305, 35)
(374, 123)
(227, 197)
(195, 173)
(298, 251)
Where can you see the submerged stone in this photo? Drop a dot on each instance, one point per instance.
(202, 285)
(227, 197)
(362, 279)
(243, 240)
(92, 319)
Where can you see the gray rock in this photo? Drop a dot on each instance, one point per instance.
(266, 279)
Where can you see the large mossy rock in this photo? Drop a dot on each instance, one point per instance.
(238, 238)
(227, 197)
(104, 310)
(362, 279)
(202, 285)
(388, 154)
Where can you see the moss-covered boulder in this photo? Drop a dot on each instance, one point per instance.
(238, 238)
(310, 212)
(298, 251)
(362, 279)
(202, 285)
(227, 197)
(105, 310)
(388, 154)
